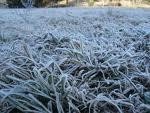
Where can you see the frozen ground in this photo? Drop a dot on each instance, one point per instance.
(91, 60)
(109, 23)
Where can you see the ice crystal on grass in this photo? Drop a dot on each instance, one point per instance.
(74, 76)
(93, 72)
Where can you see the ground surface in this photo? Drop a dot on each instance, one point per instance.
(97, 55)
(109, 23)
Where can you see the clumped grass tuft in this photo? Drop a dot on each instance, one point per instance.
(2, 37)
(63, 75)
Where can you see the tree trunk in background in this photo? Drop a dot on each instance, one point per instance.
(77, 2)
(67, 2)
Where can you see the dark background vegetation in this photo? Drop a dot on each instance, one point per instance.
(54, 3)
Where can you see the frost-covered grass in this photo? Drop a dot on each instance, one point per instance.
(82, 61)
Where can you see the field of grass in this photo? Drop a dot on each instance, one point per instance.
(75, 60)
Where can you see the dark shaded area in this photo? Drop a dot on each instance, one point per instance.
(15, 4)
(36, 3)
(15, 110)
